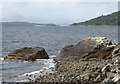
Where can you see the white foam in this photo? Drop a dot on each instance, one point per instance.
(1, 58)
(52, 56)
(48, 66)
(28, 76)
(32, 73)
(45, 67)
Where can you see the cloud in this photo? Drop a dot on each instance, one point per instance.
(59, 1)
(56, 12)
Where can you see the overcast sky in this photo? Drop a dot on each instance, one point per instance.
(62, 13)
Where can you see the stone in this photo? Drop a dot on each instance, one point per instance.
(116, 55)
(106, 68)
(90, 47)
(116, 78)
(116, 51)
(28, 53)
(114, 70)
(85, 76)
(107, 81)
(100, 77)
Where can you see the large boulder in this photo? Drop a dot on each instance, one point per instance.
(90, 47)
(28, 53)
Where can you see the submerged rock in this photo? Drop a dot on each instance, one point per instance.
(28, 53)
(90, 47)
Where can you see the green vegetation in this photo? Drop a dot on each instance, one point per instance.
(111, 19)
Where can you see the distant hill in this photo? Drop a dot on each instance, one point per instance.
(25, 24)
(17, 24)
(110, 19)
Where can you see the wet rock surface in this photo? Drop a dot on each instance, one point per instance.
(90, 47)
(28, 53)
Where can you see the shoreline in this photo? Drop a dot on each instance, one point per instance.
(32, 76)
(92, 59)
(46, 68)
(81, 72)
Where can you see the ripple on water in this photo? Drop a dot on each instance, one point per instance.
(22, 71)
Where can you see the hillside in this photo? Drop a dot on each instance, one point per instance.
(24, 24)
(110, 19)
(16, 24)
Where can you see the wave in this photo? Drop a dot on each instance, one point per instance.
(27, 76)
(45, 61)
(1, 58)
(52, 56)
(32, 76)
(48, 67)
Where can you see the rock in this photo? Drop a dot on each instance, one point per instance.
(107, 81)
(118, 82)
(116, 78)
(100, 77)
(116, 51)
(114, 70)
(106, 68)
(116, 55)
(28, 53)
(90, 47)
(82, 71)
(85, 76)
(97, 42)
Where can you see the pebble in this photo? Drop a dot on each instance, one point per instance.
(82, 71)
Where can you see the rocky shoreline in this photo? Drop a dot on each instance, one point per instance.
(92, 60)
(83, 71)
(100, 68)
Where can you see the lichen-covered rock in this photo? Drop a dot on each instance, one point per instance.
(97, 42)
(90, 47)
(28, 53)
